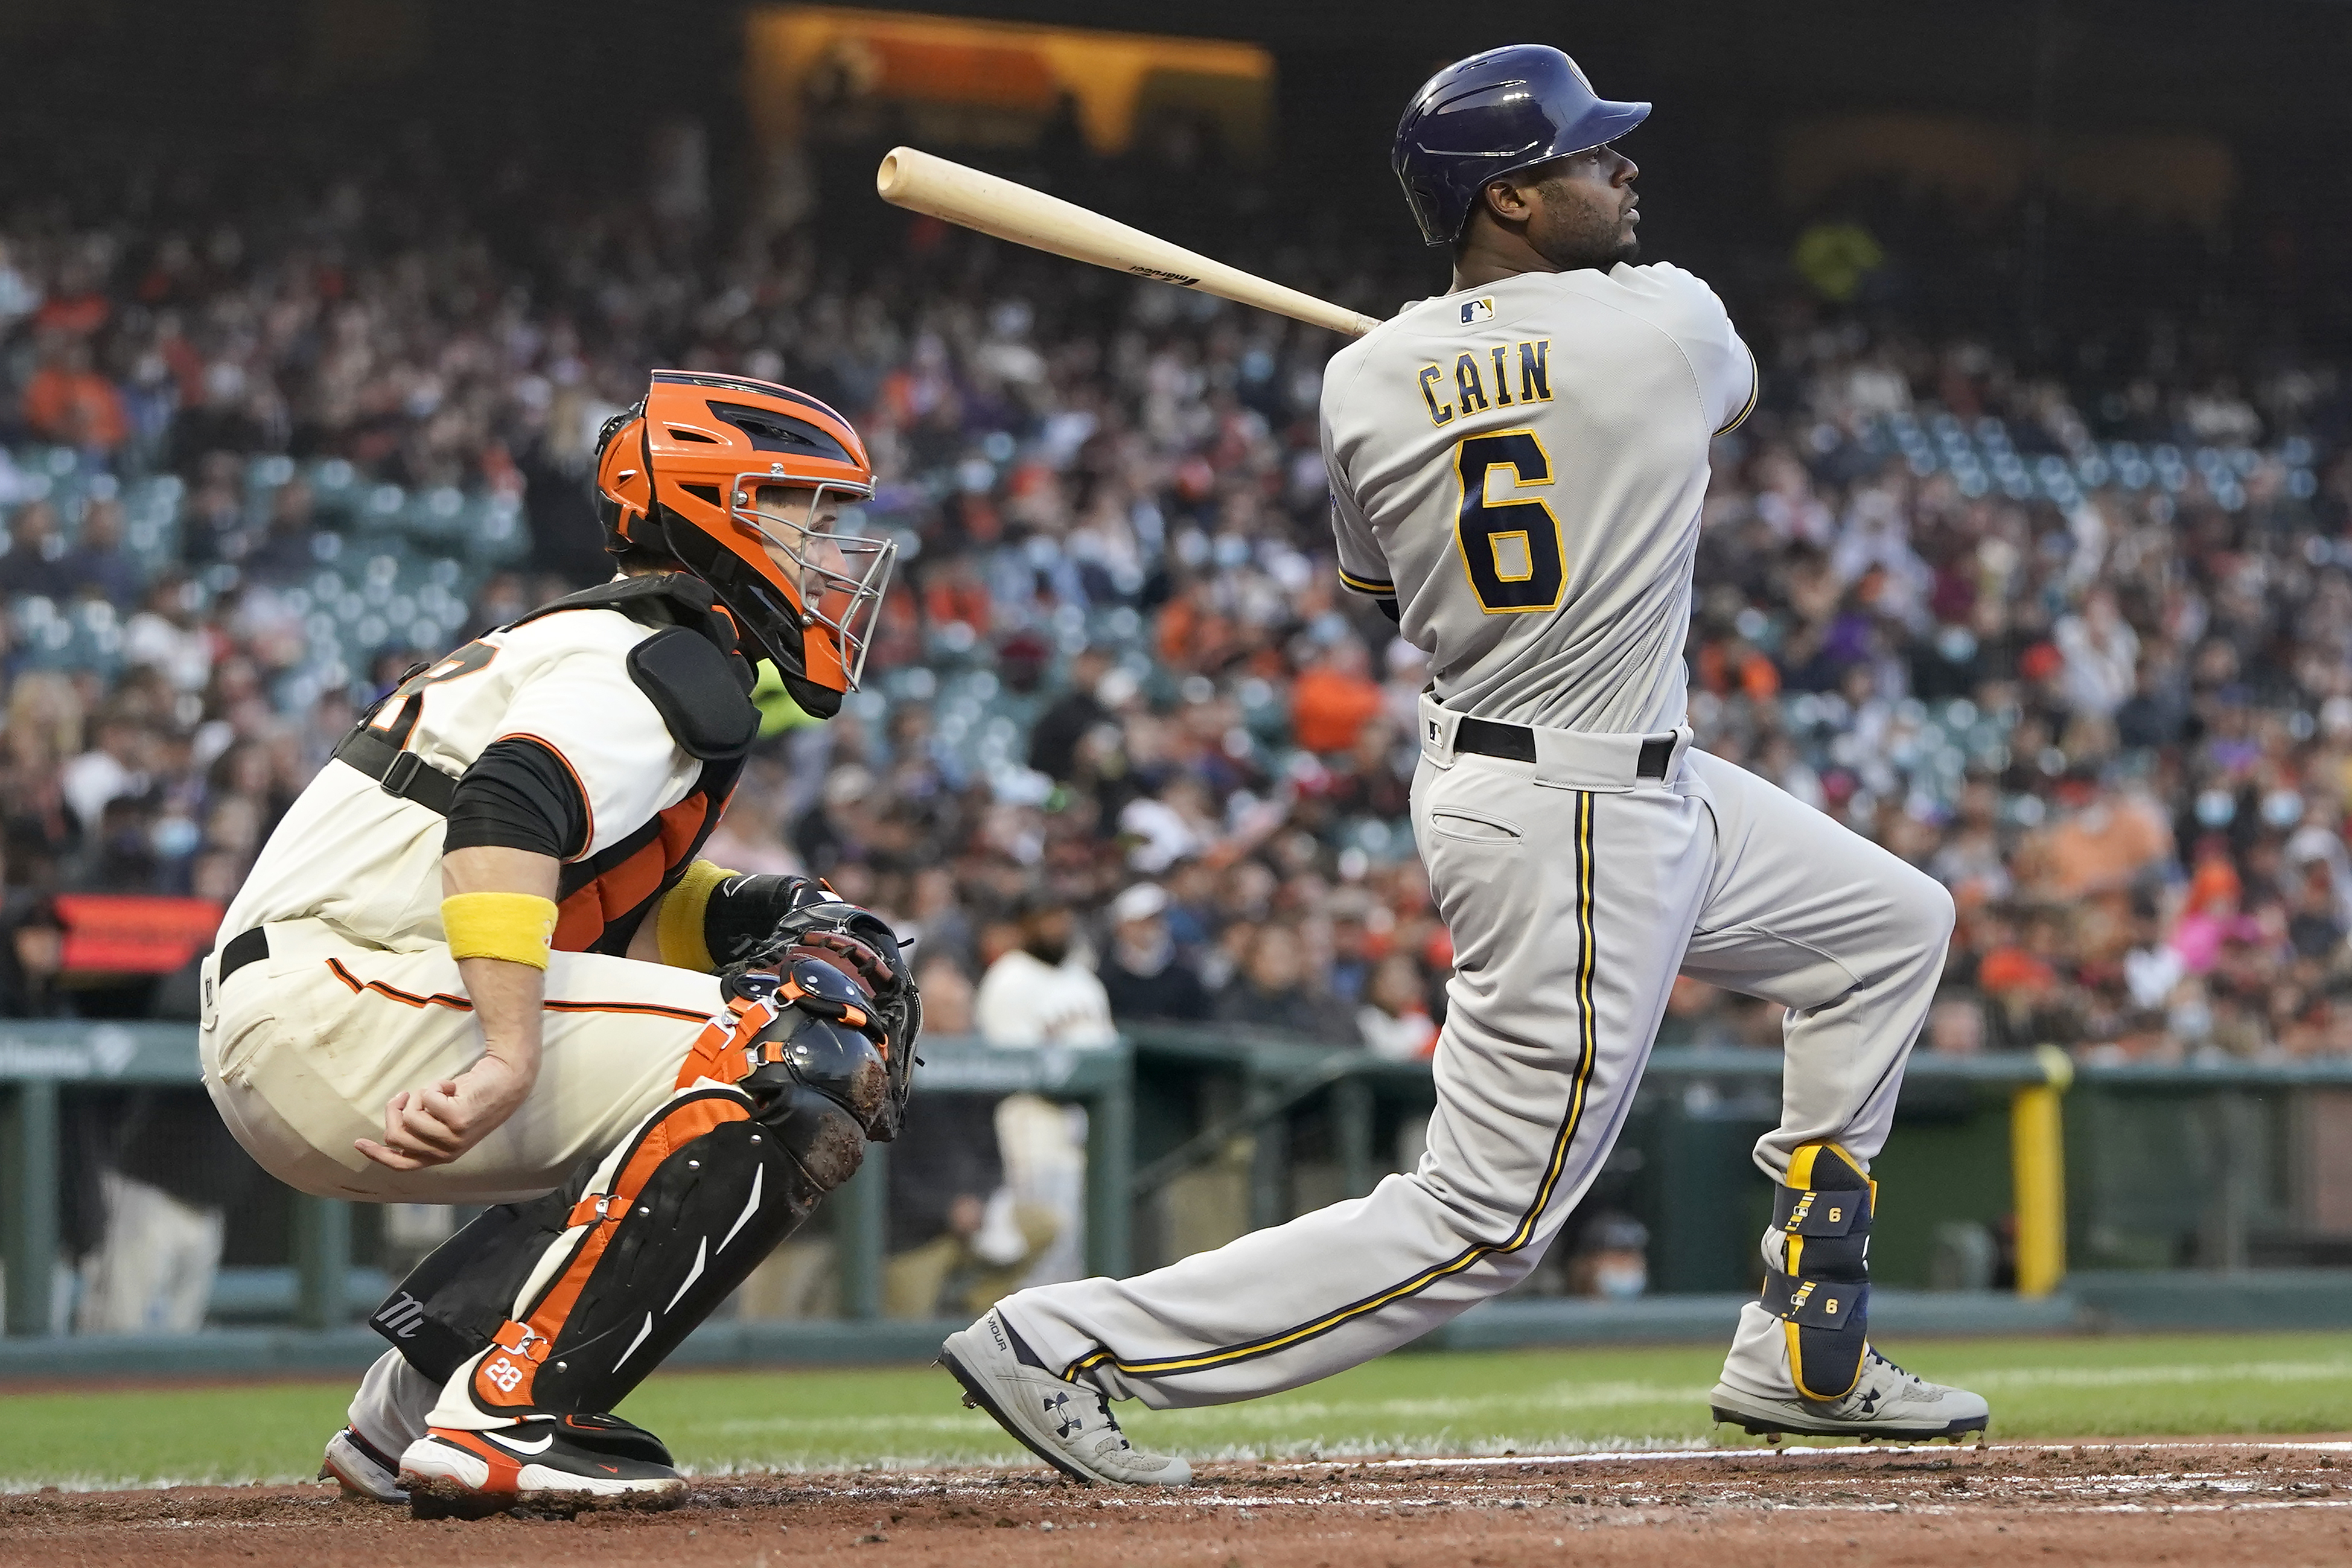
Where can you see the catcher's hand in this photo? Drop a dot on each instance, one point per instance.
(753, 921)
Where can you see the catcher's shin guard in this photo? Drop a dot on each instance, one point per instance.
(1819, 1284)
(564, 1303)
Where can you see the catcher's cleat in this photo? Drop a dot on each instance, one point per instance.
(364, 1472)
(551, 1462)
(1887, 1404)
(1068, 1424)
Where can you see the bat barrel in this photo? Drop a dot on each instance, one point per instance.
(921, 182)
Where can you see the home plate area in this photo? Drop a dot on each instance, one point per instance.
(2224, 1500)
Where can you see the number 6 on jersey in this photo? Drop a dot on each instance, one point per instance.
(1511, 549)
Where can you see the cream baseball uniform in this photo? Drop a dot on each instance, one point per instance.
(1521, 467)
(358, 998)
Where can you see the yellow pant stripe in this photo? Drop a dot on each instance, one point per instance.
(1587, 1050)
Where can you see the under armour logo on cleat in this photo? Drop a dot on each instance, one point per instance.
(1067, 1420)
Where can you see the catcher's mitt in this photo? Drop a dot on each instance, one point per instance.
(770, 921)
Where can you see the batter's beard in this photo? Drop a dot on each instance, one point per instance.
(1600, 244)
(1600, 251)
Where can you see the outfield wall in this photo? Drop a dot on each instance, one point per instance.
(1193, 1135)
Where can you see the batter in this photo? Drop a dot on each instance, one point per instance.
(1517, 471)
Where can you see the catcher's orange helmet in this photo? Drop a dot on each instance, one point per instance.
(705, 470)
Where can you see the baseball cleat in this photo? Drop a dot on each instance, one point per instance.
(1887, 1405)
(1068, 1424)
(365, 1472)
(553, 1462)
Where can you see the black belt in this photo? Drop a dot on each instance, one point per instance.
(1517, 743)
(401, 773)
(245, 947)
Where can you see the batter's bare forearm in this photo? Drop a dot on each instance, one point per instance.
(508, 997)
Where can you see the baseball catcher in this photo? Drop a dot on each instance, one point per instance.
(479, 962)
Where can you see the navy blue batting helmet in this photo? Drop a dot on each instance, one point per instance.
(1491, 115)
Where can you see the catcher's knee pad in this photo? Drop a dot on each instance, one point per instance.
(568, 1300)
(1820, 1285)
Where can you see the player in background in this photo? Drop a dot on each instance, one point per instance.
(1517, 471)
(479, 962)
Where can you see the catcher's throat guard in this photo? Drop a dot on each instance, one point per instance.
(1820, 1287)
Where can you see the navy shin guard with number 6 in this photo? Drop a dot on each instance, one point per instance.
(1821, 1289)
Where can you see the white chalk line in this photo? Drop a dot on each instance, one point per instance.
(1790, 1450)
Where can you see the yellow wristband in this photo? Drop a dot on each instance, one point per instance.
(678, 925)
(517, 927)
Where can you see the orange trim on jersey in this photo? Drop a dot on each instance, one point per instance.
(461, 1005)
(409, 998)
(503, 1380)
(587, 806)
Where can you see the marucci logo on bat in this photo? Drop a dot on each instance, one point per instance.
(1179, 278)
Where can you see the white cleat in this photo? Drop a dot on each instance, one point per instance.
(553, 1462)
(1887, 1404)
(1068, 1424)
(364, 1472)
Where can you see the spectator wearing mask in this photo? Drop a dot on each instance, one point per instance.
(1146, 979)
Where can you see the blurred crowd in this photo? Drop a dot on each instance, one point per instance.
(1122, 723)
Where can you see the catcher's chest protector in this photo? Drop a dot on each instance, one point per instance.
(570, 1299)
(602, 900)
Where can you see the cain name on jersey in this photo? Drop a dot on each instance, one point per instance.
(1522, 469)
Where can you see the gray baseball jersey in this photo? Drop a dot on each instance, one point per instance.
(1521, 467)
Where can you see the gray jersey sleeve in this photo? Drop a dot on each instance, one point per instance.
(1363, 564)
(1724, 367)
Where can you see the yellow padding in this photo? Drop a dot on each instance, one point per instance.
(515, 927)
(677, 924)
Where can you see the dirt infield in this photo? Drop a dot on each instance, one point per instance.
(2281, 1502)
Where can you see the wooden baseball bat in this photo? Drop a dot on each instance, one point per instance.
(922, 183)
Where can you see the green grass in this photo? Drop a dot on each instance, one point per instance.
(1530, 1401)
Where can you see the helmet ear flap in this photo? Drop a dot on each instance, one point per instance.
(618, 485)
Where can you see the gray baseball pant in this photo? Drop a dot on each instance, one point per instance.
(1574, 891)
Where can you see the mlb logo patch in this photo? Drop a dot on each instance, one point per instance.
(1477, 311)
